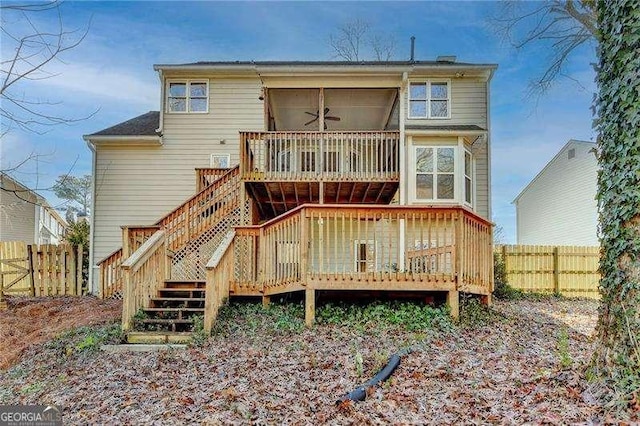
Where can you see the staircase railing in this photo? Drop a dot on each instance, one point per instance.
(143, 273)
(192, 231)
(220, 272)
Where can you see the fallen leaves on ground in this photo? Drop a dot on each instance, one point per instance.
(30, 321)
(506, 371)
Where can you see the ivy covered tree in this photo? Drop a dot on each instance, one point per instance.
(617, 356)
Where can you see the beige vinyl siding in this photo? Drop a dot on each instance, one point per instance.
(468, 103)
(559, 207)
(481, 157)
(138, 185)
(17, 217)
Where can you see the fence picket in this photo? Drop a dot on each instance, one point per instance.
(568, 270)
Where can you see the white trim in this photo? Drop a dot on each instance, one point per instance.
(92, 267)
(187, 82)
(455, 173)
(427, 82)
(227, 156)
(123, 140)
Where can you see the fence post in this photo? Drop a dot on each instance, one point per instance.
(32, 286)
(556, 272)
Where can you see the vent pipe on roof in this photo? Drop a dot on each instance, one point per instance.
(413, 48)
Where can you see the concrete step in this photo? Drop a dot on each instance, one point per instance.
(158, 337)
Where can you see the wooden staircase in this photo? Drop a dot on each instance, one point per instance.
(170, 316)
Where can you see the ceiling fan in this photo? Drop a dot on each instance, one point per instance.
(316, 115)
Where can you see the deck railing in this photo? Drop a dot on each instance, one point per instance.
(205, 176)
(311, 156)
(442, 247)
(202, 211)
(111, 275)
(144, 273)
(220, 272)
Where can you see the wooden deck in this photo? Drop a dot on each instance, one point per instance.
(351, 247)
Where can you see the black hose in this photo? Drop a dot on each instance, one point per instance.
(360, 393)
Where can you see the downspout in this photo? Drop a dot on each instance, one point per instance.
(162, 94)
(489, 144)
(403, 167)
(92, 284)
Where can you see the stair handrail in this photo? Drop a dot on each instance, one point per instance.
(220, 270)
(144, 273)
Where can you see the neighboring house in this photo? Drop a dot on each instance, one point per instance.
(255, 141)
(26, 216)
(558, 207)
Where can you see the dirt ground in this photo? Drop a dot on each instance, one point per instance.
(30, 321)
(523, 366)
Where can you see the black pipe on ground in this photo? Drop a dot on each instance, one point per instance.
(360, 393)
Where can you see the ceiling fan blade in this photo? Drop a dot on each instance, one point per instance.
(326, 110)
(309, 122)
(332, 118)
(311, 113)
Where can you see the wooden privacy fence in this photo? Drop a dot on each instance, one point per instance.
(45, 270)
(568, 270)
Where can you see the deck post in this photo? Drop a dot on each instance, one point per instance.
(310, 306)
(485, 299)
(266, 301)
(453, 300)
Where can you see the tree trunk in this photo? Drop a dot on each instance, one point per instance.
(617, 356)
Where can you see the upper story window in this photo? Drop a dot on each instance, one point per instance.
(188, 96)
(430, 99)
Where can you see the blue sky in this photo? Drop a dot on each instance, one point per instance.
(111, 73)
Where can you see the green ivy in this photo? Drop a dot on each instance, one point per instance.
(617, 357)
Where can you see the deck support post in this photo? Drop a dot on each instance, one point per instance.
(310, 306)
(453, 300)
(266, 301)
(485, 299)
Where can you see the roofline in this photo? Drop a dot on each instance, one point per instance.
(570, 142)
(321, 66)
(41, 200)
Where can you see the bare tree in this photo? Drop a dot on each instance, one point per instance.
(34, 49)
(356, 41)
(563, 25)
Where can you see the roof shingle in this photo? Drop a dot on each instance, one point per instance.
(142, 125)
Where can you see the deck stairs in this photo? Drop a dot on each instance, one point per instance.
(172, 313)
(171, 316)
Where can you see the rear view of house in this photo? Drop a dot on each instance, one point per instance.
(297, 176)
(558, 207)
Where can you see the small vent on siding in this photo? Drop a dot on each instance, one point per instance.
(572, 153)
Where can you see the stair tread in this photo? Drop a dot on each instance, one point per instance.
(166, 321)
(186, 281)
(182, 289)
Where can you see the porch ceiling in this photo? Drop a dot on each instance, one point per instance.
(358, 109)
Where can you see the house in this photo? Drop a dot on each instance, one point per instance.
(262, 178)
(26, 216)
(558, 207)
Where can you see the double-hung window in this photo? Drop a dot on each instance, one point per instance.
(468, 178)
(435, 173)
(188, 96)
(430, 99)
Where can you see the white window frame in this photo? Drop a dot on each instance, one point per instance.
(187, 83)
(225, 156)
(435, 173)
(427, 83)
(471, 178)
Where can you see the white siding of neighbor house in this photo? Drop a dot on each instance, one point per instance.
(17, 217)
(138, 185)
(558, 207)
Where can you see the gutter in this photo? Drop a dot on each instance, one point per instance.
(92, 219)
